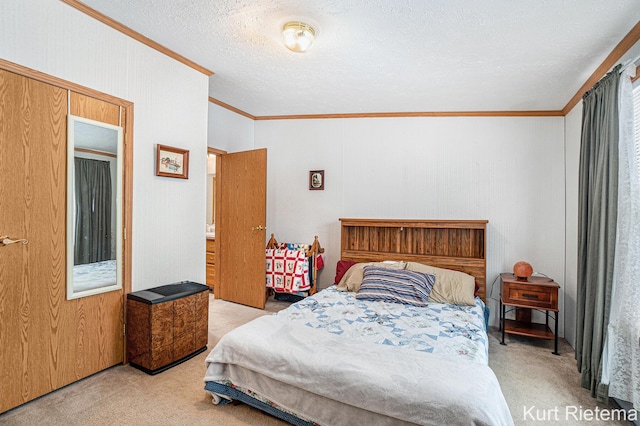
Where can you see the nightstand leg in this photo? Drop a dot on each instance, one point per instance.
(555, 343)
(546, 318)
(502, 322)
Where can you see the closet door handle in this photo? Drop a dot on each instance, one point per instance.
(259, 228)
(5, 240)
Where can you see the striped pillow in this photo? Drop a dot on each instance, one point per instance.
(396, 286)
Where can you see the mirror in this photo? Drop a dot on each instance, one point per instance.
(94, 207)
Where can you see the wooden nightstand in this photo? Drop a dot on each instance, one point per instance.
(537, 293)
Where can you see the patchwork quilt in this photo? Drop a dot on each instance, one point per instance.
(287, 271)
(448, 330)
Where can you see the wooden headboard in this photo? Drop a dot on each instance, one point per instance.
(451, 244)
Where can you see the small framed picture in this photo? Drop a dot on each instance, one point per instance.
(316, 180)
(172, 162)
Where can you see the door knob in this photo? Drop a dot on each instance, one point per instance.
(5, 240)
(259, 228)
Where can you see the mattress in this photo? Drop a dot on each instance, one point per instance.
(334, 359)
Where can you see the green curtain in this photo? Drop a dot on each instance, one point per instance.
(598, 206)
(93, 211)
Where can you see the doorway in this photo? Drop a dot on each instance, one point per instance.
(214, 157)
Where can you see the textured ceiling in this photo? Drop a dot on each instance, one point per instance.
(387, 55)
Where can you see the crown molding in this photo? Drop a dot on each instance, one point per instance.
(135, 35)
(610, 61)
(231, 108)
(415, 114)
(390, 114)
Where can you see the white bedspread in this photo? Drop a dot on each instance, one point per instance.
(315, 374)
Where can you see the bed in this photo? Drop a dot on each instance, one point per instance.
(337, 358)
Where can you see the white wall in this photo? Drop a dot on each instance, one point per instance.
(573, 131)
(229, 131)
(170, 106)
(508, 170)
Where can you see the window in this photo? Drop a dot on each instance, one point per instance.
(622, 365)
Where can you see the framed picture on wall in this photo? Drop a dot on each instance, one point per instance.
(172, 162)
(316, 180)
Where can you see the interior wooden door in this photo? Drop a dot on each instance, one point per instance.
(46, 341)
(241, 227)
(99, 318)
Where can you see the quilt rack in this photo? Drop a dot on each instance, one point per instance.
(313, 253)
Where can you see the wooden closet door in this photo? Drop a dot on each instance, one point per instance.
(241, 227)
(37, 325)
(46, 341)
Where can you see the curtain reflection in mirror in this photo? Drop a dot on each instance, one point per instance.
(93, 211)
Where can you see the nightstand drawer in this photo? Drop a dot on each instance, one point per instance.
(211, 258)
(530, 295)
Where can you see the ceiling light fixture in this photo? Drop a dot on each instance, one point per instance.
(298, 36)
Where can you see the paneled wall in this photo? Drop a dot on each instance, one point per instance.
(508, 170)
(170, 108)
(229, 131)
(573, 129)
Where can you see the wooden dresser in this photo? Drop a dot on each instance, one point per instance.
(167, 325)
(211, 264)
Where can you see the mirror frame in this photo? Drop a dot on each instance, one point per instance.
(71, 120)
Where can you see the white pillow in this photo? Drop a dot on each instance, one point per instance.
(451, 286)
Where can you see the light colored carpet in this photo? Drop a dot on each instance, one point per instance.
(528, 373)
(542, 388)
